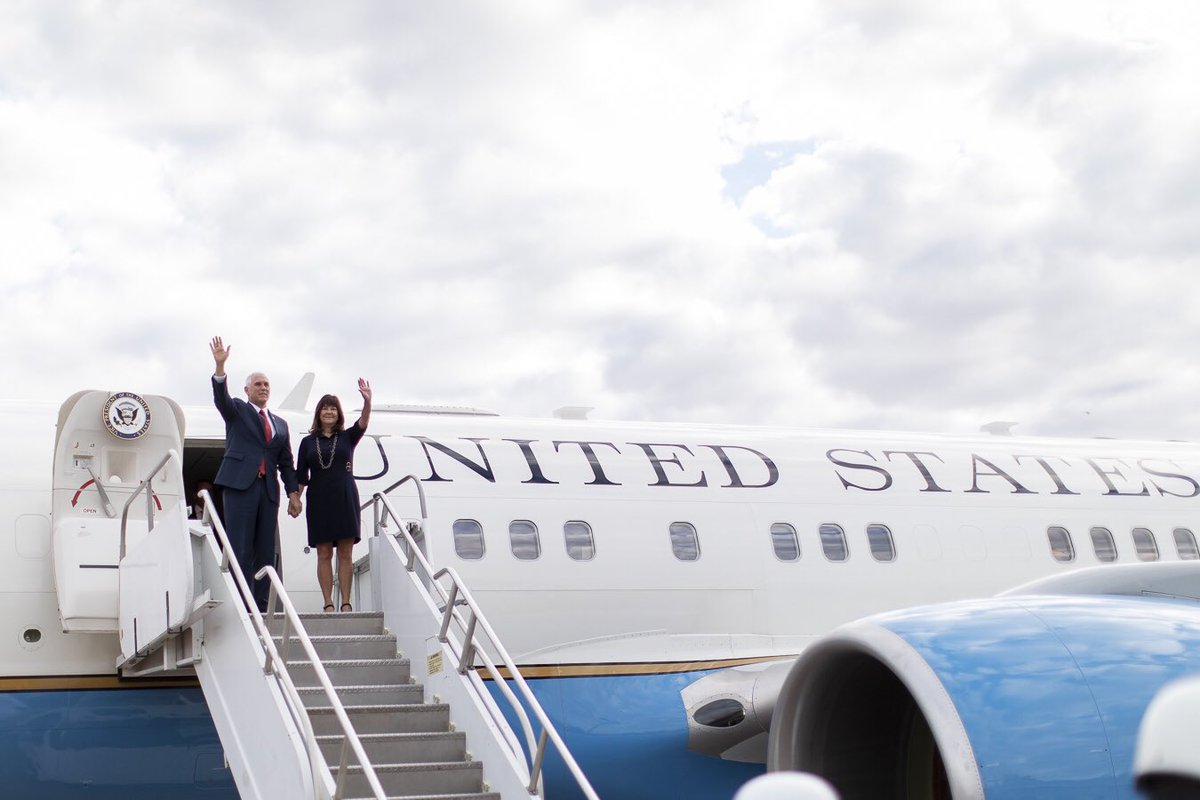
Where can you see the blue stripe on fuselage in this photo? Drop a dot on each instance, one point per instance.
(111, 743)
(629, 734)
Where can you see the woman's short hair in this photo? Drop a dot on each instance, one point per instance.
(328, 400)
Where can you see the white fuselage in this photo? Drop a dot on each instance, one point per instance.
(966, 517)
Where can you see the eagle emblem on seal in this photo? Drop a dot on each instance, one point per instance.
(126, 415)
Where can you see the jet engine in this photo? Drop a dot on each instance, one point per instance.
(1028, 696)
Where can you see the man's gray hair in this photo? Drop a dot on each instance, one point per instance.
(250, 379)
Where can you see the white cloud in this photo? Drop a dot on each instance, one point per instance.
(814, 213)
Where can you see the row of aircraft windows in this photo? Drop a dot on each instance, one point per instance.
(526, 544)
(685, 542)
(1145, 546)
(879, 540)
(523, 539)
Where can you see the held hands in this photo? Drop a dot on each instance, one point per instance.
(364, 388)
(294, 505)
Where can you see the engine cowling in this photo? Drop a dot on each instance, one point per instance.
(1012, 697)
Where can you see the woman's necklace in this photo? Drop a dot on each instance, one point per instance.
(332, 449)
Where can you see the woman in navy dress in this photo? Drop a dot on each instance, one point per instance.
(325, 468)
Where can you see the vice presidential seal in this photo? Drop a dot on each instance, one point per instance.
(126, 415)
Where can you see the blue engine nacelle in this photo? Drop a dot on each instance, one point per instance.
(1013, 697)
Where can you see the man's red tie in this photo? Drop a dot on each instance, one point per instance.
(262, 465)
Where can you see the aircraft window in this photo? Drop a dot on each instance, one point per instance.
(523, 537)
(684, 542)
(879, 537)
(784, 541)
(1144, 544)
(1103, 544)
(580, 544)
(1185, 545)
(833, 542)
(468, 539)
(1060, 543)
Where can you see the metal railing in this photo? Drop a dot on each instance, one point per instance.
(420, 496)
(465, 652)
(364, 563)
(142, 487)
(275, 664)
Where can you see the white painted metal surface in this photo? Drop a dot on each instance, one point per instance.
(157, 577)
(85, 568)
(257, 721)
(95, 472)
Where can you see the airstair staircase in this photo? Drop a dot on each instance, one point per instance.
(409, 742)
(306, 705)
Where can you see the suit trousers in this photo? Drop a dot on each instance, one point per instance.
(251, 521)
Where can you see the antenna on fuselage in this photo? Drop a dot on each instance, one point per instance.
(999, 427)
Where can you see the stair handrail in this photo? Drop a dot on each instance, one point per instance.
(381, 522)
(229, 564)
(420, 495)
(468, 650)
(171, 454)
(350, 739)
(337, 582)
(277, 666)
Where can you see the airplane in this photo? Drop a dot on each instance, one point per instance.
(688, 603)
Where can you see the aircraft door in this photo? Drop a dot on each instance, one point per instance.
(106, 443)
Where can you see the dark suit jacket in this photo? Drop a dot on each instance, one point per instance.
(245, 448)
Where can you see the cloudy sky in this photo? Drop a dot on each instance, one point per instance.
(917, 215)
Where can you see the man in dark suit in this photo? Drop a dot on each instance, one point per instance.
(257, 448)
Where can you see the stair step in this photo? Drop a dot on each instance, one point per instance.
(353, 672)
(319, 623)
(367, 695)
(444, 777)
(401, 748)
(415, 754)
(427, 717)
(344, 647)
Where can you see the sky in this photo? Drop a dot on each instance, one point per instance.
(808, 213)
